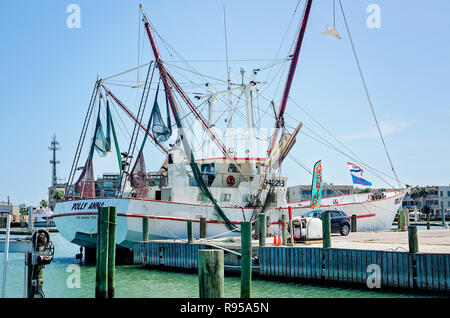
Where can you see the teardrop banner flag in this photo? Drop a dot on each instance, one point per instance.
(316, 186)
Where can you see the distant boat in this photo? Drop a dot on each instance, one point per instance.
(42, 217)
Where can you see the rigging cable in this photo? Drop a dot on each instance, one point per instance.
(355, 158)
(368, 96)
(284, 37)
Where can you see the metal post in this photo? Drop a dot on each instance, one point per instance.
(326, 229)
(5, 260)
(211, 273)
(246, 260)
(112, 251)
(428, 221)
(262, 229)
(190, 232)
(37, 281)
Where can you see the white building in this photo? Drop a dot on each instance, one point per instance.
(303, 192)
(437, 199)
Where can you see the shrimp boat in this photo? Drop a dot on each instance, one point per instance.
(221, 185)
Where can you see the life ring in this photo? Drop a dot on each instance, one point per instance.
(231, 181)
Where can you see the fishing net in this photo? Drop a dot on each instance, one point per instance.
(138, 178)
(86, 183)
(100, 143)
(161, 131)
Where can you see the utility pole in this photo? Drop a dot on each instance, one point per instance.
(54, 145)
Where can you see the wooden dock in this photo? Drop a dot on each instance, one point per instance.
(181, 255)
(396, 267)
(25, 231)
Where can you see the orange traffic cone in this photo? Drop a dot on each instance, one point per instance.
(279, 240)
(274, 239)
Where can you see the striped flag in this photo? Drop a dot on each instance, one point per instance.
(354, 168)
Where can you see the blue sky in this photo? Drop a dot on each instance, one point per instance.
(48, 70)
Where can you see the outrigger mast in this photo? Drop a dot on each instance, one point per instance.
(168, 81)
(287, 88)
(167, 78)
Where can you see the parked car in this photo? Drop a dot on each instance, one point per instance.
(340, 221)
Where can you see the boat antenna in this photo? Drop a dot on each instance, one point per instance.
(230, 112)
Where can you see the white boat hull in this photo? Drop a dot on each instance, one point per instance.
(77, 220)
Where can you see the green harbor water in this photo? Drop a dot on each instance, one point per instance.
(136, 282)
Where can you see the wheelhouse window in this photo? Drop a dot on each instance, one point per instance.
(232, 168)
(208, 168)
(225, 197)
(202, 197)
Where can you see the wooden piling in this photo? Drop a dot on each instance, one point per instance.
(112, 251)
(97, 253)
(262, 229)
(102, 253)
(283, 230)
(428, 221)
(6, 254)
(203, 231)
(145, 228)
(406, 213)
(256, 235)
(190, 232)
(353, 223)
(402, 220)
(413, 239)
(211, 273)
(291, 226)
(29, 264)
(246, 260)
(30, 219)
(326, 229)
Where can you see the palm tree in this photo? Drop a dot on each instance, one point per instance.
(415, 194)
(59, 195)
(44, 204)
(423, 192)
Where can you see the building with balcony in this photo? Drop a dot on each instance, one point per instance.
(437, 199)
